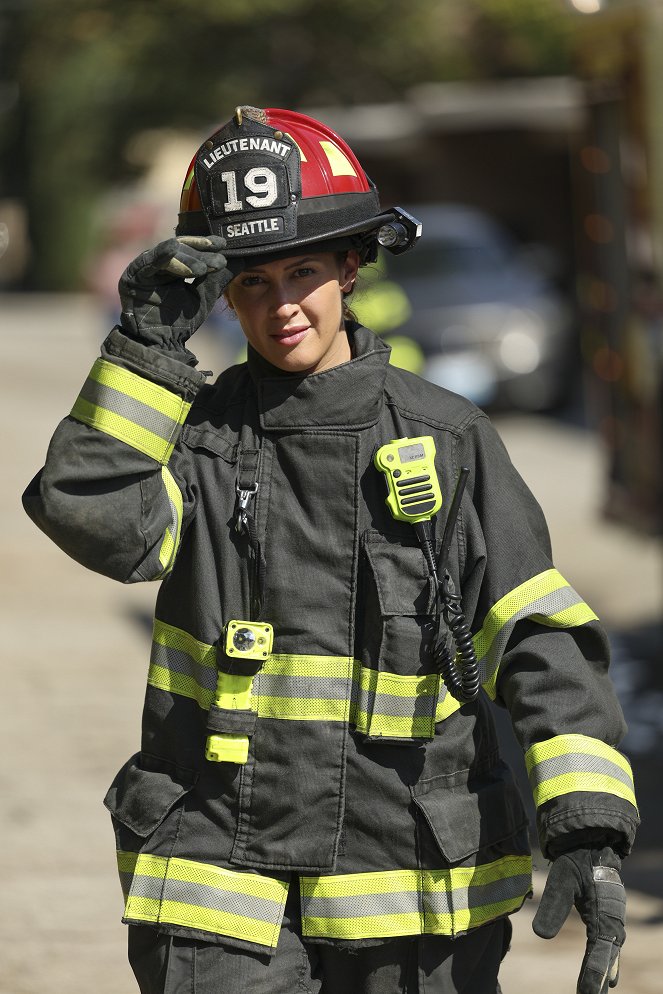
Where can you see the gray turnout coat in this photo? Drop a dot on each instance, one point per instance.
(367, 785)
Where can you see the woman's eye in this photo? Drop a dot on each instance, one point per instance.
(305, 271)
(251, 281)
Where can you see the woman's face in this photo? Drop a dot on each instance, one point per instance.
(291, 309)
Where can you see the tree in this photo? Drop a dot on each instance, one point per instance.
(94, 73)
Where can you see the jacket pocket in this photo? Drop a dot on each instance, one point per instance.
(481, 814)
(397, 686)
(145, 790)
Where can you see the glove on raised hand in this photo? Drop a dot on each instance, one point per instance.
(158, 307)
(590, 880)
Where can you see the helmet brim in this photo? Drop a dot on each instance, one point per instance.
(345, 237)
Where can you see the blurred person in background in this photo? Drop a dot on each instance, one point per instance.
(319, 803)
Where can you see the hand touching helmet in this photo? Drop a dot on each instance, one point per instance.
(167, 292)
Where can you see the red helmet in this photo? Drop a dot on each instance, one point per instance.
(271, 180)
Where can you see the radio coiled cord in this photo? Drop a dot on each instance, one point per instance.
(454, 653)
(459, 669)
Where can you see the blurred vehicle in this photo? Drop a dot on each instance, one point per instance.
(486, 310)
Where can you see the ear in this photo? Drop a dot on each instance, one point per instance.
(349, 269)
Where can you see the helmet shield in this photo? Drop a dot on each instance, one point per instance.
(272, 180)
(249, 184)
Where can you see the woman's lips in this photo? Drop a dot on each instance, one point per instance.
(290, 336)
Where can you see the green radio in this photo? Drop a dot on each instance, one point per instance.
(413, 489)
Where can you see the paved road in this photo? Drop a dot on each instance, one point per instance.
(75, 661)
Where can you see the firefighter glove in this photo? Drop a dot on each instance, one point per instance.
(167, 292)
(590, 880)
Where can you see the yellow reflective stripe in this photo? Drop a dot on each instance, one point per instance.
(509, 605)
(563, 609)
(177, 638)
(152, 866)
(305, 709)
(364, 926)
(570, 782)
(132, 409)
(359, 884)
(397, 685)
(570, 617)
(124, 430)
(151, 394)
(467, 918)
(562, 745)
(393, 705)
(410, 902)
(289, 664)
(447, 704)
(202, 896)
(144, 909)
(166, 551)
(390, 726)
(162, 678)
(171, 538)
(126, 861)
(568, 763)
(305, 678)
(220, 922)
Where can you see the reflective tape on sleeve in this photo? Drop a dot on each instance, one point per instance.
(132, 409)
(546, 598)
(568, 763)
(171, 538)
(201, 896)
(448, 901)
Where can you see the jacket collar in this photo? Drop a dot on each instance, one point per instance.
(346, 396)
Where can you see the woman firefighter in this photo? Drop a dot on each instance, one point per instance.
(319, 803)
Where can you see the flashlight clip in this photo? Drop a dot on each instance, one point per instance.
(400, 233)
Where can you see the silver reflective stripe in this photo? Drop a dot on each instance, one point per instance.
(102, 395)
(300, 687)
(547, 605)
(362, 905)
(393, 706)
(578, 762)
(202, 896)
(477, 895)
(178, 661)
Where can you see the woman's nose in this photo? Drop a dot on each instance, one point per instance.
(282, 302)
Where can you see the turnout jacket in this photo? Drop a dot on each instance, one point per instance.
(367, 785)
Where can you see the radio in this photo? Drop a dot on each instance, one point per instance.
(243, 640)
(409, 466)
(414, 495)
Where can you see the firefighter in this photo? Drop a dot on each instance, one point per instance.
(319, 803)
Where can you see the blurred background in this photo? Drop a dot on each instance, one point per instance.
(528, 137)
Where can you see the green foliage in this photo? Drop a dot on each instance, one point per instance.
(94, 73)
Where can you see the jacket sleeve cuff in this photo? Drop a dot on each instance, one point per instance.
(137, 395)
(579, 782)
(587, 815)
(150, 363)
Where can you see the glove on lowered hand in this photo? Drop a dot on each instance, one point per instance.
(590, 879)
(158, 307)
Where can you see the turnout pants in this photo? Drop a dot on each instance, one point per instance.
(428, 964)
